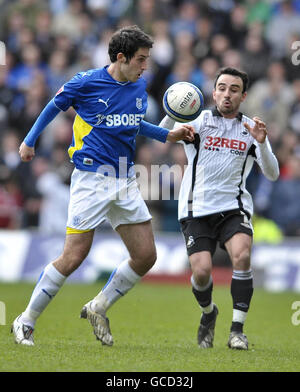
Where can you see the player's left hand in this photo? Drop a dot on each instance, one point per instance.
(185, 132)
(259, 131)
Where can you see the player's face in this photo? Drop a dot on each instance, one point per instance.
(228, 95)
(133, 69)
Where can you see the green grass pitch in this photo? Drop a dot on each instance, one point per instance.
(154, 328)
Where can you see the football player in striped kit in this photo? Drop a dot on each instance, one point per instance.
(110, 105)
(214, 204)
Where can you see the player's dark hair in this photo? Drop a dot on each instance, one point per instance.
(233, 72)
(128, 40)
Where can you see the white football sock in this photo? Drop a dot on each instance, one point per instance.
(207, 309)
(239, 316)
(47, 286)
(120, 282)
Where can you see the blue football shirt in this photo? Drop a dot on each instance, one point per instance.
(108, 116)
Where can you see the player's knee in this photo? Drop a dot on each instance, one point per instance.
(241, 260)
(145, 259)
(201, 265)
(201, 275)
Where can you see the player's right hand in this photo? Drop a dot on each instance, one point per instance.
(185, 132)
(26, 153)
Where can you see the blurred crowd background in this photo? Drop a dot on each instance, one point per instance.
(47, 42)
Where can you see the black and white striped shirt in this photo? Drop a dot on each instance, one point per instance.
(219, 161)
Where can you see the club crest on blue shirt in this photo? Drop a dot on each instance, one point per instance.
(139, 103)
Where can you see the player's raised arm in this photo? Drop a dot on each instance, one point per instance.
(265, 157)
(26, 149)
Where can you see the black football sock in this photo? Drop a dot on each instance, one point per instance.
(241, 292)
(203, 296)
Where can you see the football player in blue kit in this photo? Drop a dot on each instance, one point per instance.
(110, 105)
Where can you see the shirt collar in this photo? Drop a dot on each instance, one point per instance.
(216, 113)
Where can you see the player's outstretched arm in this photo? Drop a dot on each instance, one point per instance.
(184, 132)
(26, 149)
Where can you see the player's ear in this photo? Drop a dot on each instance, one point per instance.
(244, 95)
(214, 94)
(121, 57)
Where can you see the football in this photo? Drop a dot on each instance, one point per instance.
(183, 102)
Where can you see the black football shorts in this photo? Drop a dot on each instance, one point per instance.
(203, 233)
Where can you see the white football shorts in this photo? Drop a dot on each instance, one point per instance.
(95, 198)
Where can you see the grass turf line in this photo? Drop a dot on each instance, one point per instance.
(154, 329)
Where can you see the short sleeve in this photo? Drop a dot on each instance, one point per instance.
(67, 94)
